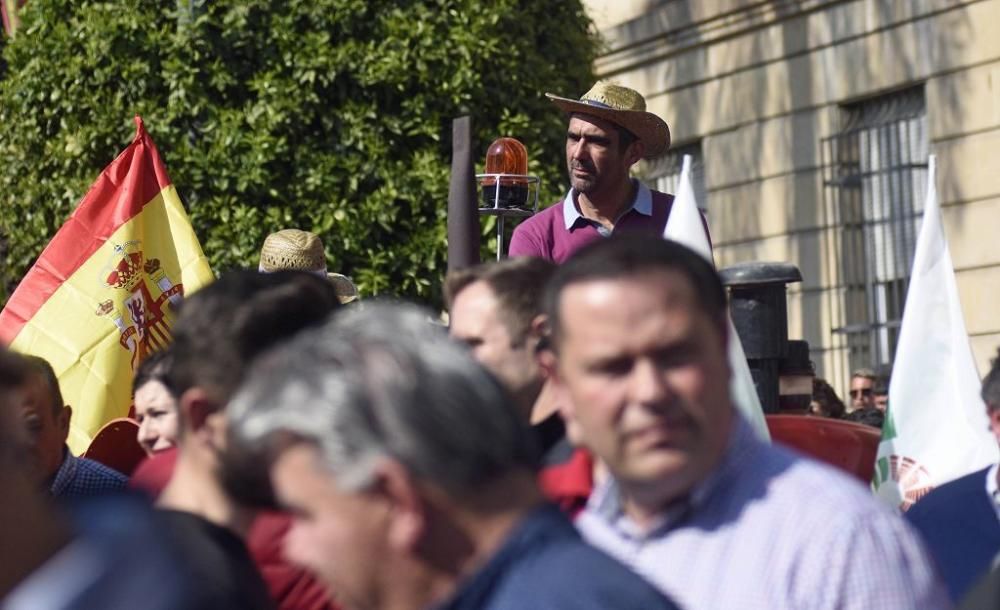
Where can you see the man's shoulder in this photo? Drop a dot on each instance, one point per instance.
(547, 565)
(958, 496)
(812, 485)
(550, 216)
(98, 470)
(759, 487)
(218, 559)
(536, 236)
(79, 476)
(569, 573)
(95, 477)
(661, 198)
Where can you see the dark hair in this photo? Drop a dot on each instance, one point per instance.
(869, 416)
(13, 370)
(14, 445)
(824, 394)
(40, 366)
(155, 367)
(631, 255)
(991, 385)
(225, 325)
(517, 283)
(625, 137)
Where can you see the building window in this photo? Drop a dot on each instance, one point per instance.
(664, 172)
(875, 174)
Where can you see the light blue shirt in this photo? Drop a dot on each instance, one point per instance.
(772, 530)
(643, 204)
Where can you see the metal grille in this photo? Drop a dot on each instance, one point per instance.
(664, 172)
(875, 174)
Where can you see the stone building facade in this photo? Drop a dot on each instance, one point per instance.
(810, 123)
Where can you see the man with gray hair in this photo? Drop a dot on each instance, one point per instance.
(411, 478)
(862, 389)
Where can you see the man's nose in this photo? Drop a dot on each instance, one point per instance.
(648, 384)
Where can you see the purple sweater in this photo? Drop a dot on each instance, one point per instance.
(548, 235)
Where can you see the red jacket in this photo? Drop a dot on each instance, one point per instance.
(568, 482)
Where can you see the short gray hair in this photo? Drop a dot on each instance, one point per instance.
(383, 381)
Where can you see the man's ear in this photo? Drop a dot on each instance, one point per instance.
(549, 363)
(535, 337)
(196, 405)
(561, 396)
(635, 152)
(539, 326)
(65, 415)
(407, 522)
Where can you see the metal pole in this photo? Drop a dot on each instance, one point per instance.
(500, 219)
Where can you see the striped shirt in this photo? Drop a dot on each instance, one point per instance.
(773, 530)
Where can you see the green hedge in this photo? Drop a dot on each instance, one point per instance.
(328, 115)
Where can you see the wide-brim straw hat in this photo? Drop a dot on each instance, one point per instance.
(294, 249)
(623, 107)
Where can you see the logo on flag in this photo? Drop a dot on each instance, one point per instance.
(905, 475)
(140, 317)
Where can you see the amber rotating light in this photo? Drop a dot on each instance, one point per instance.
(507, 189)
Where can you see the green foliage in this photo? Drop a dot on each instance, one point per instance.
(3, 43)
(327, 115)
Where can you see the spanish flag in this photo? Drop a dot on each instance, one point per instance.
(105, 291)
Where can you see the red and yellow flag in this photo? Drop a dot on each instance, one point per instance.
(104, 292)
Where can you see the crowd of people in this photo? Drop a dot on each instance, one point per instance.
(567, 440)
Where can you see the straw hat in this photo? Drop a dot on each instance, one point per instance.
(301, 250)
(623, 107)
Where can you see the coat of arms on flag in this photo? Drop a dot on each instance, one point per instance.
(144, 291)
(128, 255)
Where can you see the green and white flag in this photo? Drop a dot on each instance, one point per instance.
(936, 429)
(684, 225)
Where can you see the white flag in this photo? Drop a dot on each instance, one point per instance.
(684, 225)
(936, 428)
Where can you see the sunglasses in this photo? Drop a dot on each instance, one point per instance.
(860, 393)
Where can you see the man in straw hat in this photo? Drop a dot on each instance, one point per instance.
(609, 131)
(295, 249)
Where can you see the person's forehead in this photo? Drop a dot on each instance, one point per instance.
(153, 392)
(671, 284)
(629, 297)
(591, 125)
(35, 394)
(296, 471)
(862, 381)
(475, 305)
